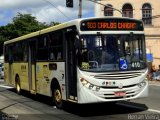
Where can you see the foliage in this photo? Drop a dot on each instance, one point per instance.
(21, 24)
(54, 23)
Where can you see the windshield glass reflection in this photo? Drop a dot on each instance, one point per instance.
(111, 52)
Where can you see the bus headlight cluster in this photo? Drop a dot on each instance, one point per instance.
(142, 84)
(89, 85)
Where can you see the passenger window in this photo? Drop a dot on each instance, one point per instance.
(56, 46)
(42, 51)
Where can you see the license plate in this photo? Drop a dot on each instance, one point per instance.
(119, 94)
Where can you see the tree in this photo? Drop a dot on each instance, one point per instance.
(2, 40)
(54, 23)
(25, 23)
(21, 24)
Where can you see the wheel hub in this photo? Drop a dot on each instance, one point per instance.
(58, 96)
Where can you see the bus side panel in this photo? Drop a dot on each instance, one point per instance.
(45, 75)
(19, 69)
(6, 74)
(42, 78)
(22, 71)
(10, 69)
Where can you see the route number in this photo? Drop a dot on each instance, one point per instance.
(136, 65)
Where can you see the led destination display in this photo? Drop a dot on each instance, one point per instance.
(111, 24)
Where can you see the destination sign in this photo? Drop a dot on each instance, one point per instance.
(111, 24)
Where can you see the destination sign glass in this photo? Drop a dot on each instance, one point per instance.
(111, 24)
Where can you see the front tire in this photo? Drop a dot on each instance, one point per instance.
(57, 97)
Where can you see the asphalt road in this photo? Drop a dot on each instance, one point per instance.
(28, 107)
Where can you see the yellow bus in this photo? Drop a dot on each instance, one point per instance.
(87, 60)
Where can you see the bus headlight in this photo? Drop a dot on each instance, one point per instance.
(83, 81)
(142, 84)
(97, 88)
(89, 85)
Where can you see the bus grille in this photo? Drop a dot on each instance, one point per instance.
(112, 96)
(130, 91)
(116, 87)
(118, 75)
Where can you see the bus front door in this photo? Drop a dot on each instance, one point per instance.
(71, 71)
(31, 67)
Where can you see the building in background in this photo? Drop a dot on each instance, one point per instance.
(147, 10)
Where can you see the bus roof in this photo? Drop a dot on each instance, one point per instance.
(43, 31)
(60, 26)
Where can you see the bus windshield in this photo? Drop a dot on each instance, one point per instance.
(111, 52)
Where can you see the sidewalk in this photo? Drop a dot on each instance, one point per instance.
(154, 82)
(4, 116)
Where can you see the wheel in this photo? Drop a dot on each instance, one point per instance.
(18, 87)
(57, 96)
